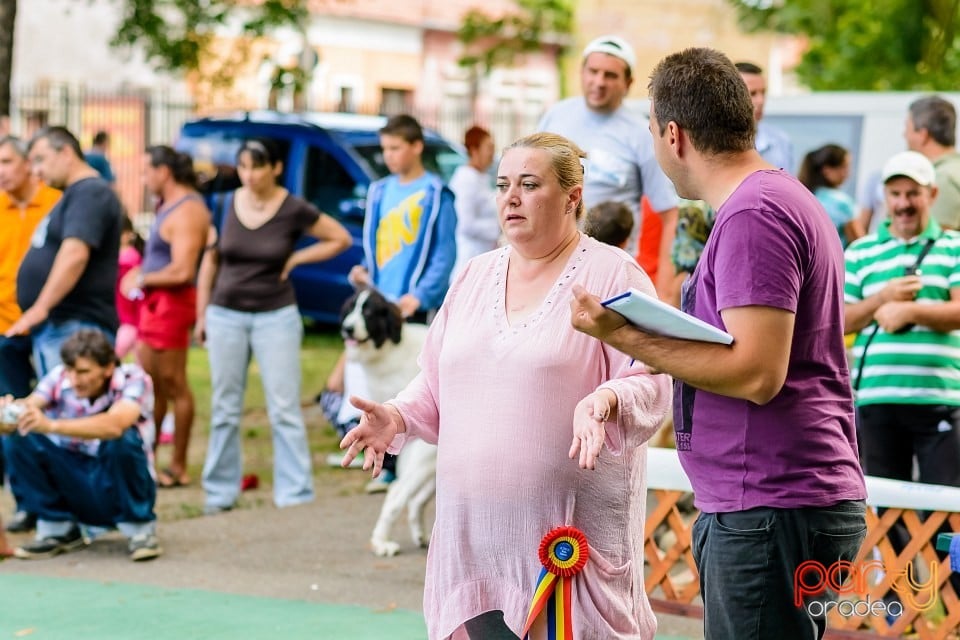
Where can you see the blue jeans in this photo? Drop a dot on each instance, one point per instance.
(274, 338)
(16, 372)
(49, 336)
(747, 561)
(16, 379)
(112, 489)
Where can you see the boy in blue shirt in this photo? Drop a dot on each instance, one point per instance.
(409, 233)
(409, 247)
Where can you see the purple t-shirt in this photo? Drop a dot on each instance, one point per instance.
(772, 246)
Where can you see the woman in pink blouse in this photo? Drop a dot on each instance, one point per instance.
(538, 425)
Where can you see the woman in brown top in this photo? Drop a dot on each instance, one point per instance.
(246, 306)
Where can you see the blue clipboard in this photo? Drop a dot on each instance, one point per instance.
(654, 316)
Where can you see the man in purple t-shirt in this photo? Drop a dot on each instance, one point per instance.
(764, 426)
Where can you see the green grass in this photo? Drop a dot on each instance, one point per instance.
(321, 348)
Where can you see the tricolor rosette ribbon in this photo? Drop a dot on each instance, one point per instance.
(563, 553)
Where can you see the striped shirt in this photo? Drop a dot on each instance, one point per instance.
(920, 366)
(129, 382)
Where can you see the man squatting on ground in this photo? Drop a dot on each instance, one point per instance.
(81, 450)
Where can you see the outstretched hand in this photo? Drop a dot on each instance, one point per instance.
(591, 317)
(378, 426)
(589, 426)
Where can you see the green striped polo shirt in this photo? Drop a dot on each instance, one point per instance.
(919, 366)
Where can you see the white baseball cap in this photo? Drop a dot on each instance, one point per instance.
(910, 164)
(614, 46)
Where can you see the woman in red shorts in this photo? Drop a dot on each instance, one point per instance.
(167, 283)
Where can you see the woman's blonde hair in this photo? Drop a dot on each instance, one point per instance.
(565, 159)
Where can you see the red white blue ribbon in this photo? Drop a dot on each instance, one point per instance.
(563, 553)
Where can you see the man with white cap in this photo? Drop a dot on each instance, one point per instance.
(620, 163)
(902, 294)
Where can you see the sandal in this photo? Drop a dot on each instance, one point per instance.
(166, 479)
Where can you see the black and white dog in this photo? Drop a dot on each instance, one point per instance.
(385, 348)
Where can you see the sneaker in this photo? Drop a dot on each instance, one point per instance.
(215, 509)
(52, 546)
(381, 483)
(144, 547)
(22, 522)
(336, 460)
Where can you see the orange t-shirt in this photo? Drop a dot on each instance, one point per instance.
(648, 249)
(18, 225)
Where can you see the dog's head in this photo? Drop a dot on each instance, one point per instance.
(367, 316)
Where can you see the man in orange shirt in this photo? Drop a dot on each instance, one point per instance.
(24, 203)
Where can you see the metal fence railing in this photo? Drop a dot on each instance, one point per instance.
(138, 118)
(134, 119)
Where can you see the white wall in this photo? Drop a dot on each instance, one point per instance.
(68, 41)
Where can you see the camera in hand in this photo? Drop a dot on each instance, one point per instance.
(912, 270)
(11, 413)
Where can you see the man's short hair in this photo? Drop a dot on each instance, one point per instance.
(19, 146)
(88, 343)
(938, 116)
(701, 91)
(100, 138)
(403, 126)
(749, 68)
(609, 222)
(58, 138)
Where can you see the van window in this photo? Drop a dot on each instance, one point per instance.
(327, 184)
(437, 158)
(214, 156)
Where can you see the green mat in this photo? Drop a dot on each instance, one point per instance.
(65, 609)
(44, 608)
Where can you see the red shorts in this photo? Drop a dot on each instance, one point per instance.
(166, 317)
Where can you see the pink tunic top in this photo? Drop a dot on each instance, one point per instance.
(499, 401)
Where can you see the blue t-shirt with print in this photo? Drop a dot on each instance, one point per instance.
(402, 215)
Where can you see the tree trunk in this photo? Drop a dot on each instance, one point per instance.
(8, 16)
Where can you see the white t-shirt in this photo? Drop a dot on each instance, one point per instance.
(478, 228)
(621, 165)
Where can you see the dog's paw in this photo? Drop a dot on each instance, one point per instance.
(385, 548)
(420, 540)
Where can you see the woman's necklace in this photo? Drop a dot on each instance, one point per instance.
(257, 204)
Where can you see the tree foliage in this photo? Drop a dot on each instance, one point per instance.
(867, 45)
(175, 35)
(492, 41)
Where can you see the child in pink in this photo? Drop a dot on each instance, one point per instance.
(131, 255)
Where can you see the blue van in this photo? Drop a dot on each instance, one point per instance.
(329, 159)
